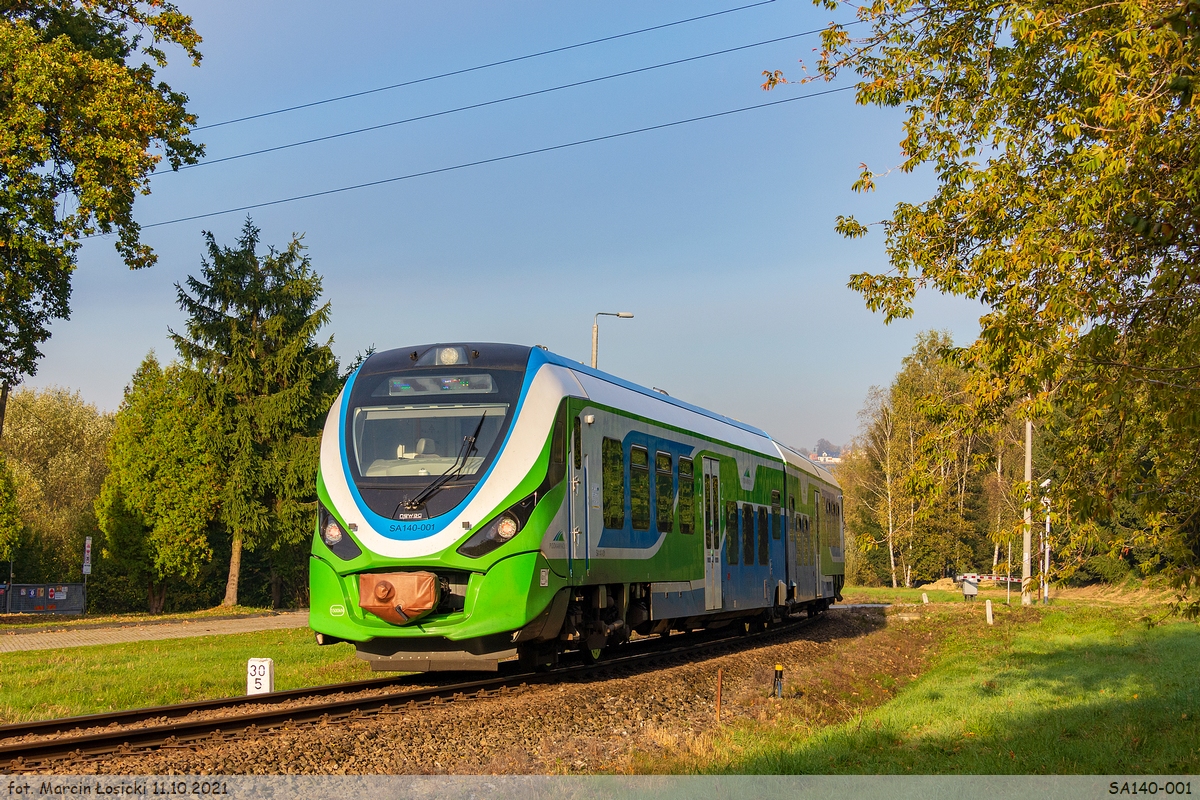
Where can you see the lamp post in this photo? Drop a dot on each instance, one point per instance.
(596, 328)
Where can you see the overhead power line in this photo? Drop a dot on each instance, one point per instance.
(497, 101)
(482, 66)
(495, 159)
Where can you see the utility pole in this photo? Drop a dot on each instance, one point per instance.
(1046, 545)
(596, 329)
(1027, 538)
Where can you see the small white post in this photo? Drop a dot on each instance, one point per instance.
(925, 598)
(989, 613)
(260, 676)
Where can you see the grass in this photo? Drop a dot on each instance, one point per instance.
(40, 684)
(26, 622)
(1069, 689)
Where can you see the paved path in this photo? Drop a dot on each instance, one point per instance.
(11, 642)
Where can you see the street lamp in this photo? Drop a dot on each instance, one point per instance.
(596, 328)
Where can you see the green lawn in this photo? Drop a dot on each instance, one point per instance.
(1067, 689)
(40, 684)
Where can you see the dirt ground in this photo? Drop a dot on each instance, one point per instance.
(842, 664)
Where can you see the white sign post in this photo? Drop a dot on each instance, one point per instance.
(260, 676)
(87, 556)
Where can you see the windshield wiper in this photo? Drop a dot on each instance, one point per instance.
(460, 463)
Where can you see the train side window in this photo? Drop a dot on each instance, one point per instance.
(731, 532)
(664, 492)
(558, 447)
(614, 483)
(639, 487)
(748, 534)
(764, 542)
(687, 497)
(577, 444)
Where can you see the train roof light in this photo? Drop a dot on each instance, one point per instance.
(443, 356)
(451, 355)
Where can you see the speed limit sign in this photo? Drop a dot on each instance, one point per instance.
(260, 676)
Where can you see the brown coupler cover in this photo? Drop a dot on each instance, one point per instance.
(398, 597)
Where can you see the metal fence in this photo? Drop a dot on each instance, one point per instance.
(45, 598)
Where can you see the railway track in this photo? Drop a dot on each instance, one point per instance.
(101, 734)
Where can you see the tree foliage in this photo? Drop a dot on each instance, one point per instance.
(83, 124)
(54, 444)
(251, 332)
(164, 482)
(1063, 137)
(912, 479)
(10, 515)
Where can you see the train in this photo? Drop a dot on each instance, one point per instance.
(481, 502)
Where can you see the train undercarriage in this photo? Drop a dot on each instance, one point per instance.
(591, 620)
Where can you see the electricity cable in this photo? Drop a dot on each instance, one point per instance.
(482, 66)
(484, 103)
(494, 159)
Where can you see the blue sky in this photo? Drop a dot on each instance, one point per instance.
(717, 235)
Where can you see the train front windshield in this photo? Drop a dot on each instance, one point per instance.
(418, 440)
(406, 427)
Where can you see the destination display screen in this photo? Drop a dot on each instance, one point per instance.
(413, 385)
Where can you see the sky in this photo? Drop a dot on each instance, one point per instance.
(717, 235)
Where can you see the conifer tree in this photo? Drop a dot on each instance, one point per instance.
(165, 478)
(251, 332)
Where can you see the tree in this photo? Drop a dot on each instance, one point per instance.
(914, 470)
(251, 332)
(80, 120)
(164, 482)
(876, 486)
(10, 517)
(826, 447)
(55, 449)
(1065, 143)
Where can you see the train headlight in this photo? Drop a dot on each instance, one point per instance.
(332, 533)
(506, 528)
(334, 536)
(501, 529)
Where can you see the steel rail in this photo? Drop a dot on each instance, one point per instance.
(182, 730)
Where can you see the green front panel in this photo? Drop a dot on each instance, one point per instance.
(505, 598)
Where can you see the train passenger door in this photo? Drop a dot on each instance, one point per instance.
(577, 542)
(712, 535)
(790, 533)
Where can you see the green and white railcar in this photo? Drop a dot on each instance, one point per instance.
(480, 501)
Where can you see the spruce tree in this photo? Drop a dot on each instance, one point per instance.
(251, 332)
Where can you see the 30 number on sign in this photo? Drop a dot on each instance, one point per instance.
(260, 675)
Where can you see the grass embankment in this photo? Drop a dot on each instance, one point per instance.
(41, 684)
(1071, 688)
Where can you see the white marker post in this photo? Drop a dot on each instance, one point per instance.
(925, 598)
(260, 676)
(989, 612)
